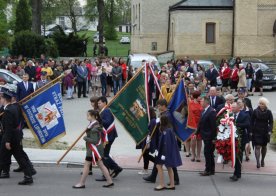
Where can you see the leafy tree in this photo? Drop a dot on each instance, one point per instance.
(36, 15)
(23, 16)
(4, 41)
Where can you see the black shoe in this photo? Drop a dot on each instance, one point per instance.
(258, 165)
(78, 187)
(160, 189)
(116, 172)
(234, 178)
(205, 173)
(262, 164)
(4, 175)
(149, 179)
(33, 172)
(26, 181)
(19, 169)
(102, 179)
(108, 185)
(170, 188)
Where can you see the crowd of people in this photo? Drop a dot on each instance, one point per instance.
(206, 102)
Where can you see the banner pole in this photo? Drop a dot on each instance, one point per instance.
(70, 148)
(145, 148)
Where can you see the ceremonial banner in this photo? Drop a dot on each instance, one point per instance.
(44, 115)
(179, 111)
(130, 107)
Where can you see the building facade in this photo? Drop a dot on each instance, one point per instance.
(209, 29)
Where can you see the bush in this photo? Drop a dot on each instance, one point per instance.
(51, 49)
(273, 136)
(28, 44)
(110, 32)
(69, 45)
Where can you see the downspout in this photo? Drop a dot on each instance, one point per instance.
(169, 29)
(233, 28)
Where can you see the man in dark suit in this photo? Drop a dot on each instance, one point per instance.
(11, 140)
(215, 100)
(207, 130)
(109, 125)
(24, 88)
(43, 81)
(82, 74)
(30, 69)
(212, 75)
(242, 122)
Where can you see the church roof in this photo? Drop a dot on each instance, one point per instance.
(202, 4)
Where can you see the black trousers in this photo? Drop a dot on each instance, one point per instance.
(108, 161)
(239, 157)
(147, 158)
(19, 155)
(209, 149)
(81, 89)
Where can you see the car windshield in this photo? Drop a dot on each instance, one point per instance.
(264, 67)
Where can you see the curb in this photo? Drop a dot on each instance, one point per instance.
(40, 164)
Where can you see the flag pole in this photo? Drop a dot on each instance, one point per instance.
(156, 82)
(70, 148)
(109, 103)
(145, 148)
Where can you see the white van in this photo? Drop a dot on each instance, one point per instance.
(135, 60)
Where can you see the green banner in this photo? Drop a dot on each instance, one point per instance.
(130, 107)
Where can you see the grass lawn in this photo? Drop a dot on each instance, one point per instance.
(114, 46)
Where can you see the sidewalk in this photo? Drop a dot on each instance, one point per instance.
(49, 158)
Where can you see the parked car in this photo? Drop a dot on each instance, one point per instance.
(206, 64)
(135, 60)
(97, 39)
(10, 78)
(51, 29)
(269, 77)
(125, 40)
(84, 28)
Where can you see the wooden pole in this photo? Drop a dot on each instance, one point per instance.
(70, 148)
(145, 148)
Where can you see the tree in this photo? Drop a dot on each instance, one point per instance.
(4, 41)
(23, 16)
(72, 9)
(100, 6)
(36, 15)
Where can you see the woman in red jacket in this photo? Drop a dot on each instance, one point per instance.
(225, 74)
(124, 70)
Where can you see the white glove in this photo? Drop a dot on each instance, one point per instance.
(157, 120)
(163, 158)
(148, 140)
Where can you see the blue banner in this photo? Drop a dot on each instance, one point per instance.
(179, 112)
(44, 115)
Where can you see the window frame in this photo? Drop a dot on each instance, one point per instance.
(214, 33)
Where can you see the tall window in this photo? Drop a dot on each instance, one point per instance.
(62, 21)
(133, 10)
(210, 33)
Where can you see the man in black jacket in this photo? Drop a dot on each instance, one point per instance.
(215, 100)
(242, 122)
(11, 140)
(30, 70)
(207, 130)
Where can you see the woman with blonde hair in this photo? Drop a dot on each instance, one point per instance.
(262, 125)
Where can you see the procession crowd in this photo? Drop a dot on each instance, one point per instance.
(207, 104)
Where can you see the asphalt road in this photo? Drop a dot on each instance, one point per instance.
(58, 182)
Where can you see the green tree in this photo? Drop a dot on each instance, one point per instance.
(36, 15)
(4, 41)
(23, 16)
